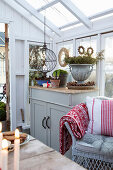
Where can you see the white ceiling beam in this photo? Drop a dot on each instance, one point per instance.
(100, 14)
(23, 13)
(39, 16)
(70, 6)
(47, 5)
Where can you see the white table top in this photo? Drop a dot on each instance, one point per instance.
(37, 156)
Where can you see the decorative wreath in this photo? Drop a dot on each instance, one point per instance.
(90, 51)
(66, 51)
(81, 50)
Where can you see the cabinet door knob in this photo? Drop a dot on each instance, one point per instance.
(43, 122)
(47, 122)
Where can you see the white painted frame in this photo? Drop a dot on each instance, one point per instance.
(12, 73)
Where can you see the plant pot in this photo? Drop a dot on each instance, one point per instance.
(55, 83)
(40, 82)
(81, 72)
(63, 80)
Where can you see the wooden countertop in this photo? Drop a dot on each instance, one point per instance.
(63, 90)
(37, 156)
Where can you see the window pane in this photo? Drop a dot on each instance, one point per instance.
(89, 7)
(38, 3)
(59, 15)
(89, 42)
(109, 66)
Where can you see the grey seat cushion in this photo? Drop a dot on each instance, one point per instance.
(95, 144)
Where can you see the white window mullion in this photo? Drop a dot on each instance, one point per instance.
(102, 70)
(74, 47)
(98, 76)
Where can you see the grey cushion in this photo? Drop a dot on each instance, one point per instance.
(96, 144)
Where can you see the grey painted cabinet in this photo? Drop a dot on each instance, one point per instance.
(47, 107)
(45, 122)
(55, 113)
(38, 120)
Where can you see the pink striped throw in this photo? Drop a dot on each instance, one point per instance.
(100, 116)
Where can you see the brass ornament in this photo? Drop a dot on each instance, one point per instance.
(66, 52)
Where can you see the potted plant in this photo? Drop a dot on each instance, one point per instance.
(62, 74)
(3, 115)
(81, 66)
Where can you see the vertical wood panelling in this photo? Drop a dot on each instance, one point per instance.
(8, 12)
(19, 95)
(18, 24)
(2, 10)
(25, 27)
(19, 47)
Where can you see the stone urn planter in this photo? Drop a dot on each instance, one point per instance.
(81, 72)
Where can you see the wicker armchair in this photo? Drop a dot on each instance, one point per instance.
(93, 152)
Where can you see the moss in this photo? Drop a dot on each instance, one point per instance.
(82, 59)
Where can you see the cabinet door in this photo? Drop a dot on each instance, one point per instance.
(38, 120)
(55, 113)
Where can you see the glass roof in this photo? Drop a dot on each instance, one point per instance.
(91, 7)
(38, 3)
(60, 16)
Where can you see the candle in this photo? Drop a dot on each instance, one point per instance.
(16, 150)
(4, 154)
(1, 137)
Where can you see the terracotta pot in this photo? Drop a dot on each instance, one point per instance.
(55, 83)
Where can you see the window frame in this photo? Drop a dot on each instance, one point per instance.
(102, 62)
